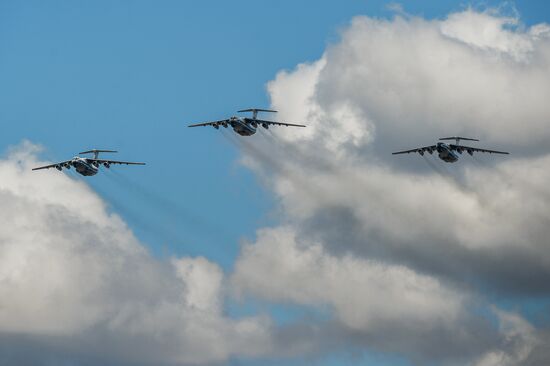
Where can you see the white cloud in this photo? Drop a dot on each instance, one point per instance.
(489, 32)
(407, 79)
(72, 271)
(418, 235)
(415, 80)
(401, 254)
(364, 293)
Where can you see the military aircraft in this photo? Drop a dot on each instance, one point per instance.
(447, 152)
(87, 166)
(245, 126)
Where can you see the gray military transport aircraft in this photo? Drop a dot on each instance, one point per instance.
(447, 152)
(245, 126)
(87, 166)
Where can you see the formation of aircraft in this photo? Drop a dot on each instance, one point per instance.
(448, 152)
(87, 166)
(245, 126)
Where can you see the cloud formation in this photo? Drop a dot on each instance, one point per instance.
(75, 284)
(399, 246)
(403, 255)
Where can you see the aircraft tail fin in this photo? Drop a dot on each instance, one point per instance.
(96, 152)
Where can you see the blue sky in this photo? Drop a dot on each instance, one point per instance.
(130, 75)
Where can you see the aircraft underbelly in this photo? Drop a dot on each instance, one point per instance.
(243, 130)
(85, 170)
(447, 157)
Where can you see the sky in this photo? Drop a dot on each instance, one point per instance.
(311, 246)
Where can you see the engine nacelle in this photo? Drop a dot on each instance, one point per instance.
(67, 166)
(421, 152)
(107, 165)
(459, 150)
(431, 151)
(58, 167)
(471, 152)
(216, 126)
(265, 125)
(254, 124)
(224, 125)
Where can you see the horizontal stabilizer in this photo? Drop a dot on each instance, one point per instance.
(458, 138)
(256, 110)
(96, 152)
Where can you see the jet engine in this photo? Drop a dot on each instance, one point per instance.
(470, 151)
(265, 125)
(421, 152)
(216, 126)
(58, 167)
(106, 165)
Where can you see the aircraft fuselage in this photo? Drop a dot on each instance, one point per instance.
(242, 127)
(83, 167)
(445, 153)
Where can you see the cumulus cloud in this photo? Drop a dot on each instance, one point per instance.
(411, 79)
(379, 306)
(404, 255)
(380, 238)
(75, 284)
(391, 293)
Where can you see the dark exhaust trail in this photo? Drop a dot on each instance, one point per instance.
(230, 137)
(276, 162)
(178, 215)
(254, 152)
(316, 161)
(116, 206)
(444, 173)
(433, 166)
(167, 237)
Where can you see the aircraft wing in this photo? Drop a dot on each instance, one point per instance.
(212, 123)
(260, 121)
(103, 161)
(419, 150)
(60, 164)
(469, 148)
